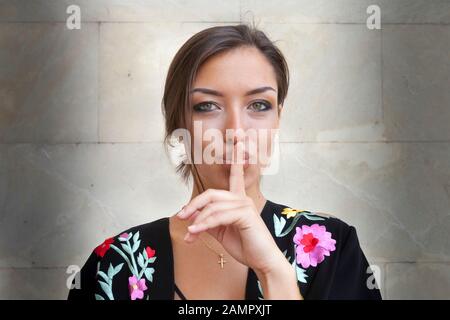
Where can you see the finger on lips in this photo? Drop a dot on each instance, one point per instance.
(236, 179)
(199, 211)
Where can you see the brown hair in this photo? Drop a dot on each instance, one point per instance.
(195, 51)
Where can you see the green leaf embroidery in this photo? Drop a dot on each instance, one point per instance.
(278, 224)
(133, 260)
(144, 253)
(99, 297)
(260, 291)
(316, 218)
(118, 268)
(136, 245)
(107, 289)
(104, 276)
(291, 226)
(126, 247)
(140, 260)
(149, 274)
(301, 273)
(136, 237)
(110, 271)
(130, 266)
(107, 286)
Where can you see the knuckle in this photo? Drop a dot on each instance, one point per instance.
(209, 207)
(211, 191)
(208, 220)
(208, 193)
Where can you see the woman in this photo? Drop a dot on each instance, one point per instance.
(228, 241)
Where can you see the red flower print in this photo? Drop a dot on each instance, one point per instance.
(309, 242)
(150, 252)
(101, 249)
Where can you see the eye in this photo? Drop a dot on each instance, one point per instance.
(204, 107)
(261, 105)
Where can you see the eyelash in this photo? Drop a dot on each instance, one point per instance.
(266, 103)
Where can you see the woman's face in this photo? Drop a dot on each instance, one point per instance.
(235, 90)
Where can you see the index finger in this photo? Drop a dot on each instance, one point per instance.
(237, 182)
(201, 200)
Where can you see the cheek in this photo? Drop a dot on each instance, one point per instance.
(265, 142)
(200, 127)
(208, 122)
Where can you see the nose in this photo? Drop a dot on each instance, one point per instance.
(234, 125)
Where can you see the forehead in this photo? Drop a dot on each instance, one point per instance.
(241, 69)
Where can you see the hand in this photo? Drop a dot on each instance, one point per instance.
(232, 218)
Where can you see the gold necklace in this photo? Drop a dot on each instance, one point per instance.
(221, 259)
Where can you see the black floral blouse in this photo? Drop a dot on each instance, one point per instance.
(138, 263)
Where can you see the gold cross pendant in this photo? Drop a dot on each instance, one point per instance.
(221, 261)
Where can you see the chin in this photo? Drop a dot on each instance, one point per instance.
(218, 175)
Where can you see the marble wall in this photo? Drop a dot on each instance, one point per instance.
(365, 134)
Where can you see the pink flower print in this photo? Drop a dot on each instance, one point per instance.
(137, 287)
(124, 236)
(313, 244)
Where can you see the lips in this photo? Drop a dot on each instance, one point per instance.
(229, 157)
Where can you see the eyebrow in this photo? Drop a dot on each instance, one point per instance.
(217, 93)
